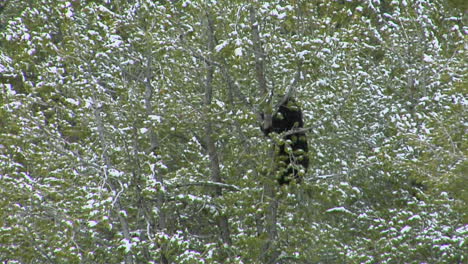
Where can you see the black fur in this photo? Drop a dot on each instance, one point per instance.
(288, 117)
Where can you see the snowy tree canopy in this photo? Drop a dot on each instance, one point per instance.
(130, 133)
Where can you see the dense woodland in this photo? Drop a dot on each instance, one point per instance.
(130, 131)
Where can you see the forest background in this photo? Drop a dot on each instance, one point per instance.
(129, 131)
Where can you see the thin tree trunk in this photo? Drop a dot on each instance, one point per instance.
(270, 254)
(118, 206)
(153, 146)
(222, 220)
(259, 55)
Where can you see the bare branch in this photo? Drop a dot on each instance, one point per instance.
(207, 184)
(338, 175)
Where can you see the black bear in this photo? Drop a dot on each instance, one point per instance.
(291, 154)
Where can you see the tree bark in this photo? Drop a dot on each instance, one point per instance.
(222, 220)
(259, 55)
(270, 254)
(149, 90)
(108, 165)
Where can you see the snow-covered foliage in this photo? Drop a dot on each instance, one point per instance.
(129, 131)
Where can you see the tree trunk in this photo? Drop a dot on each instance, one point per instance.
(111, 182)
(222, 220)
(270, 253)
(153, 146)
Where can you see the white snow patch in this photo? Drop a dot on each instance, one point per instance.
(26, 36)
(444, 247)
(322, 82)
(115, 173)
(69, 223)
(340, 209)
(428, 58)
(405, 229)
(53, 69)
(414, 217)
(126, 245)
(155, 118)
(302, 54)
(220, 103)
(282, 15)
(274, 12)
(72, 101)
(92, 223)
(238, 52)
(103, 9)
(9, 89)
(221, 46)
(69, 13)
(115, 41)
(130, 61)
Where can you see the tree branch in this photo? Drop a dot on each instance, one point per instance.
(208, 184)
